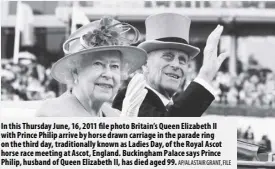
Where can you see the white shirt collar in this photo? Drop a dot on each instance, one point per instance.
(164, 100)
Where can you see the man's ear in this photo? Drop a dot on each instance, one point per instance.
(124, 75)
(145, 69)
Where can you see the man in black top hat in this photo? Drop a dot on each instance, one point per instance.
(167, 37)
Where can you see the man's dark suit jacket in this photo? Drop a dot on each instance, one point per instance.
(190, 103)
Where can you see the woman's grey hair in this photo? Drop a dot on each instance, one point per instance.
(75, 66)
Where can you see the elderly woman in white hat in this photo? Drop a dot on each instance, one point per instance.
(98, 56)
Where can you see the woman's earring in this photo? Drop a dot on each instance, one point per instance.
(75, 78)
(75, 81)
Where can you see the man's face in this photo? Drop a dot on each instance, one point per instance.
(100, 77)
(166, 70)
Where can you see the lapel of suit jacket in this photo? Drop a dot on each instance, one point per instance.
(152, 103)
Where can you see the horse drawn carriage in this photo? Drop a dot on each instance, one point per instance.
(251, 156)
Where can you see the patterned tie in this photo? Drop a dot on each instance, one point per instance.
(169, 104)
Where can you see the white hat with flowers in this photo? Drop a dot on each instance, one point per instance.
(105, 34)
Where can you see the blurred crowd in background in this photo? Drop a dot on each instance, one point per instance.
(253, 87)
(26, 80)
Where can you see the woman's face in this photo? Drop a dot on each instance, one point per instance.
(99, 78)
